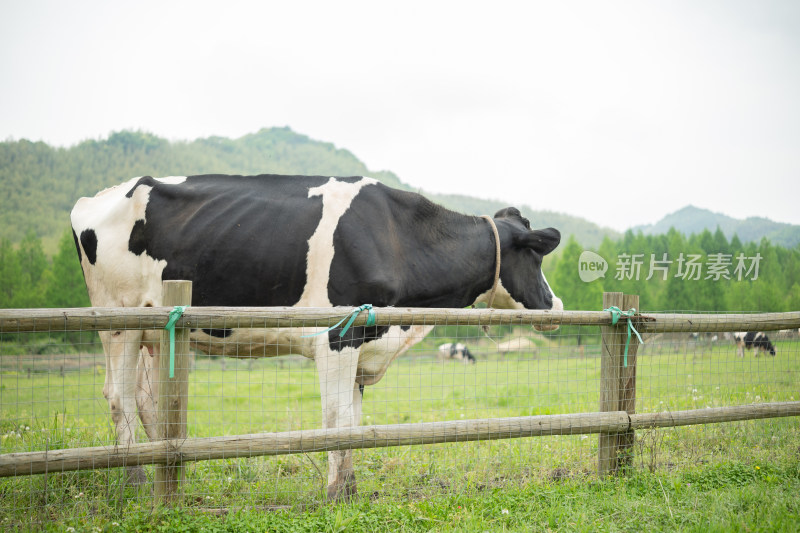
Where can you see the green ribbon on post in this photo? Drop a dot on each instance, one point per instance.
(616, 313)
(352, 316)
(174, 315)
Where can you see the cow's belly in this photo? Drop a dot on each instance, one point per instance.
(245, 343)
(374, 356)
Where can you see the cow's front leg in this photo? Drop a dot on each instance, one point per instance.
(337, 384)
(120, 389)
(147, 391)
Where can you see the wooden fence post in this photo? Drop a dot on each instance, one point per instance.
(617, 384)
(173, 393)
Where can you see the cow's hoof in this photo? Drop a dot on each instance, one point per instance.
(136, 475)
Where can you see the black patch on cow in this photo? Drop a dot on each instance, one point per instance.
(405, 328)
(241, 240)
(404, 250)
(222, 333)
(355, 336)
(89, 243)
(77, 247)
(137, 244)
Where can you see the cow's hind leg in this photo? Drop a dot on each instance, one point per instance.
(337, 379)
(123, 348)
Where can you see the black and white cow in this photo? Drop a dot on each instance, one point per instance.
(752, 339)
(456, 351)
(293, 241)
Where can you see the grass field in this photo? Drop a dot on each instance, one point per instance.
(742, 475)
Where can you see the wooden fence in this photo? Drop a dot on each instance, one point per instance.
(616, 422)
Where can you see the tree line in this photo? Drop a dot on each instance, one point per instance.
(672, 272)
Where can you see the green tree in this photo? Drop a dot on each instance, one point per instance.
(33, 264)
(575, 293)
(11, 276)
(65, 286)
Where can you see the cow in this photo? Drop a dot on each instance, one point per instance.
(752, 339)
(304, 241)
(456, 351)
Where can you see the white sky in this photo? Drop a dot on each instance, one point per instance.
(582, 107)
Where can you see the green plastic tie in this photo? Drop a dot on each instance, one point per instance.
(616, 313)
(174, 315)
(352, 316)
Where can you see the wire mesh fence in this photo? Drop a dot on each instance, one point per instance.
(259, 417)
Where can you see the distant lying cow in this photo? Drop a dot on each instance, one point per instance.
(751, 339)
(457, 351)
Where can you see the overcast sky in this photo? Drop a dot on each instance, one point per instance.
(619, 112)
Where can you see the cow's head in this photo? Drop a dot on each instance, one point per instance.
(522, 284)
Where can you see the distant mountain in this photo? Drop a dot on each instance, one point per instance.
(692, 219)
(39, 183)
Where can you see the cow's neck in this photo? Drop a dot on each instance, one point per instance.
(452, 268)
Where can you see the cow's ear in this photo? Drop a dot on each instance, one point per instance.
(542, 241)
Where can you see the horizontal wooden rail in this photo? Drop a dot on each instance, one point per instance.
(315, 440)
(715, 415)
(113, 318)
(707, 322)
(318, 440)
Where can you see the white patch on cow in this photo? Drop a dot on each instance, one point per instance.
(558, 305)
(172, 180)
(111, 215)
(502, 298)
(336, 199)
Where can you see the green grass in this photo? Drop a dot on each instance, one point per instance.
(731, 476)
(730, 497)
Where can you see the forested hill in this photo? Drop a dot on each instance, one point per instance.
(39, 184)
(694, 220)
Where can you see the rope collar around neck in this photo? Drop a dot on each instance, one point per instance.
(497, 258)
